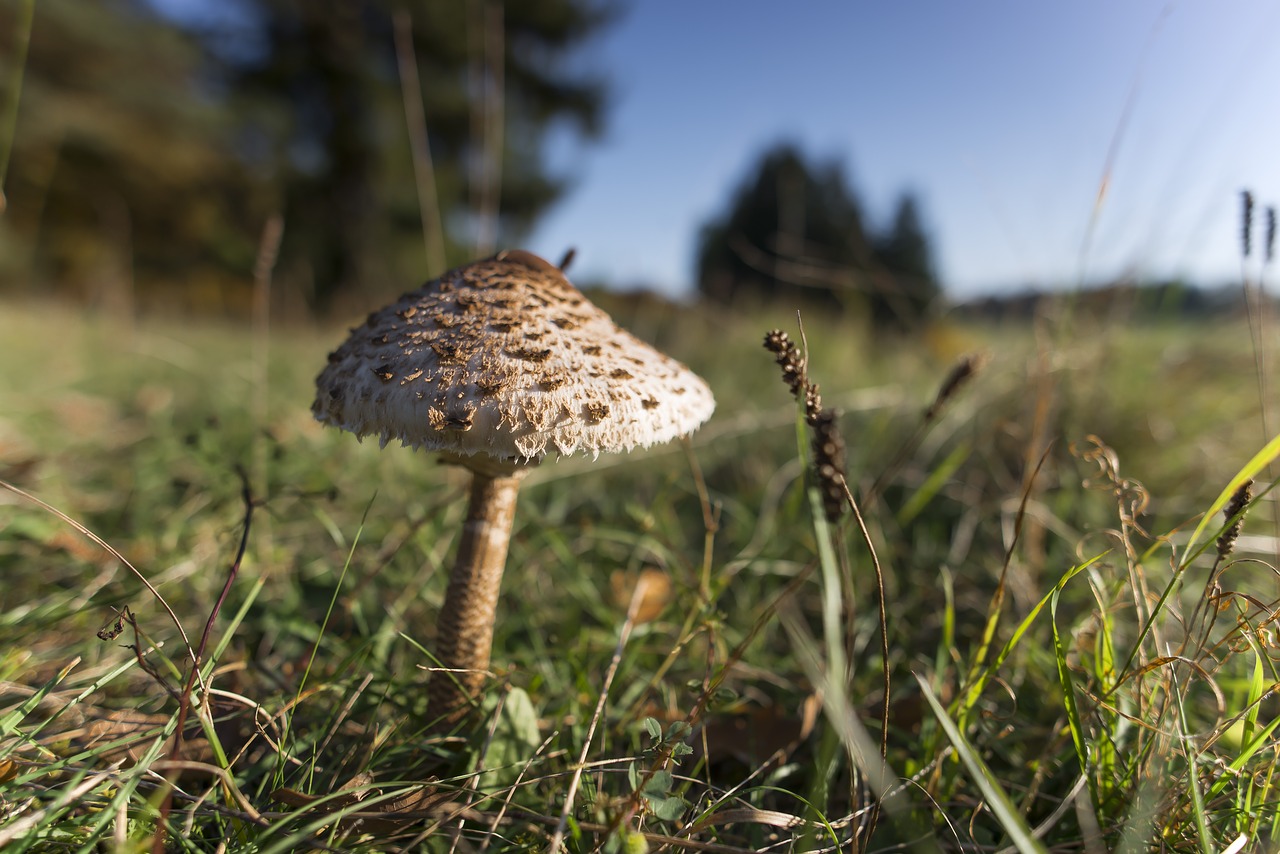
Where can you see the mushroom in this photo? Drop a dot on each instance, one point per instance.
(496, 365)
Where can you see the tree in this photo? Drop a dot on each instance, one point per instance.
(120, 175)
(158, 148)
(904, 253)
(794, 231)
(327, 86)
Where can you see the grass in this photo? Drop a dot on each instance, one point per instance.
(689, 654)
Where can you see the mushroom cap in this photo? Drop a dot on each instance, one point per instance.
(505, 358)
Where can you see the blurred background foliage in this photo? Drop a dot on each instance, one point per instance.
(795, 230)
(150, 150)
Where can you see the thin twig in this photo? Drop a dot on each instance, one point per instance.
(184, 704)
(700, 707)
(110, 550)
(488, 121)
(424, 172)
(18, 827)
(557, 840)
(511, 793)
(884, 638)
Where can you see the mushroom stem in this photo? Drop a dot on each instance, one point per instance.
(465, 632)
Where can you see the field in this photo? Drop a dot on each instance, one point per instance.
(688, 656)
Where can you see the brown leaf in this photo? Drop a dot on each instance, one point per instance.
(356, 789)
(124, 725)
(433, 806)
(292, 797)
(655, 591)
(427, 803)
(19, 470)
(754, 736)
(125, 733)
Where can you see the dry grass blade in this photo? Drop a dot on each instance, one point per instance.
(976, 677)
(511, 792)
(184, 701)
(115, 554)
(17, 828)
(221, 774)
(637, 598)
(882, 608)
(389, 815)
(1237, 845)
(416, 120)
(750, 815)
(674, 843)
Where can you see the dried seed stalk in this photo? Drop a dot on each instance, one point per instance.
(1269, 243)
(959, 376)
(828, 444)
(1234, 510)
(829, 464)
(1246, 223)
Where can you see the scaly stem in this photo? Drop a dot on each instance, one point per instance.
(465, 634)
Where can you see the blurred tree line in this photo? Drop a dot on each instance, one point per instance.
(395, 139)
(149, 153)
(795, 230)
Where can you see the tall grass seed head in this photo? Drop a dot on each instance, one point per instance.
(788, 358)
(961, 373)
(1246, 222)
(812, 403)
(829, 463)
(1269, 245)
(1235, 508)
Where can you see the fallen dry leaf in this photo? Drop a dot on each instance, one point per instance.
(654, 595)
(426, 804)
(752, 737)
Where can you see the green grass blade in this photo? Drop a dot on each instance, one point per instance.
(998, 800)
(9, 116)
(1078, 737)
(1187, 740)
(933, 484)
(1035, 612)
(9, 723)
(1247, 751)
(315, 649)
(976, 686)
(1251, 470)
(1257, 685)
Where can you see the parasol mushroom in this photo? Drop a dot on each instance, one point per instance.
(496, 365)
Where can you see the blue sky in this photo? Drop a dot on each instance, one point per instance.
(1002, 116)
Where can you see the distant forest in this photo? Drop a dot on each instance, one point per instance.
(153, 163)
(362, 148)
(148, 154)
(1153, 301)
